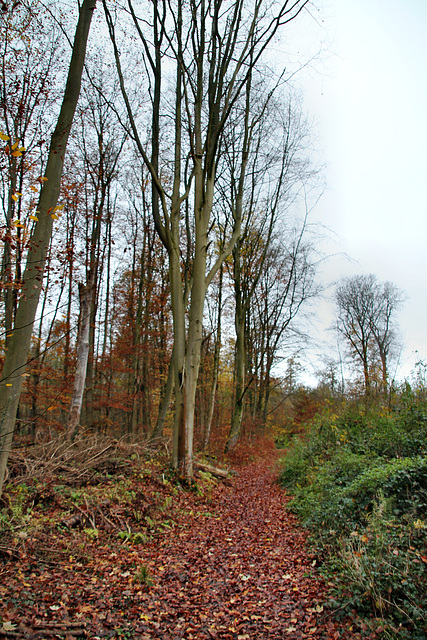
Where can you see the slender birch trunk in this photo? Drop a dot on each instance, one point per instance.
(86, 299)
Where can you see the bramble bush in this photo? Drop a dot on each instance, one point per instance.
(359, 483)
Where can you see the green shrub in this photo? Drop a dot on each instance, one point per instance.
(403, 479)
(296, 465)
(384, 564)
(359, 483)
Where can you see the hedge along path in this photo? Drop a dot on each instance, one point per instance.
(239, 570)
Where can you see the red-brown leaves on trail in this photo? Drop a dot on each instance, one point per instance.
(231, 565)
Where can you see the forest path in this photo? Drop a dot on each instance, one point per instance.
(231, 564)
(240, 570)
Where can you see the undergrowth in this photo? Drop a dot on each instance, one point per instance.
(119, 491)
(359, 483)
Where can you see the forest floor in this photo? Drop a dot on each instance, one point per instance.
(140, 556)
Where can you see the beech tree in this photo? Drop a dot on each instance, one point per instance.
(214, 46)
(20, 339)
(262, 183)
(287, 284)
(366, 320)
(389, 300)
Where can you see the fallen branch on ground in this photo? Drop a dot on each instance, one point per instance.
(215, 471)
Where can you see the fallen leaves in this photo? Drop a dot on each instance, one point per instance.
(236, 566)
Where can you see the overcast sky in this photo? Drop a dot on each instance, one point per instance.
(367, 95)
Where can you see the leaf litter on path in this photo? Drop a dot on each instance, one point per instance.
(229, 565)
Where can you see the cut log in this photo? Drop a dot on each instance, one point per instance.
(215, 471)
(73, 521)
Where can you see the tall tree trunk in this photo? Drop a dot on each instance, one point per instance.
(71, 216)
(164, 365)
(136, 356)
(86, 297)
(178, 313)
(384, 371)
(165, 400)
(92, 280)
(366, 374)
(239, 379)
(146, 378)
(239, 353)
(90, 369)
(107, 332)
(20, 342)
(216, 359)
(6, 268)
(39, 358)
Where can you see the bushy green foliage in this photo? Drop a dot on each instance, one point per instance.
(15, 510)
(384, 565)
(359, 483)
